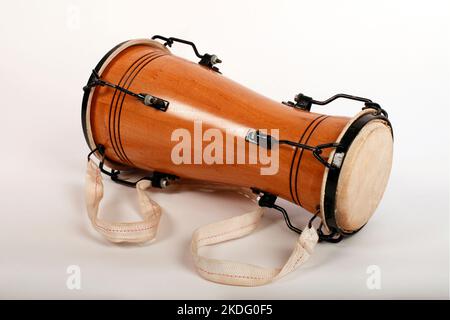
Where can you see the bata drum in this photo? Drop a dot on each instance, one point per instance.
(141, 99)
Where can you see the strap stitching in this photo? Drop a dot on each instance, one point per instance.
(232, 275)
(122, 231)
(298, 259)
(226, 232)
(97, 177)
(249, 277)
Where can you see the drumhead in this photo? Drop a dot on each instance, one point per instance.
(351, 194)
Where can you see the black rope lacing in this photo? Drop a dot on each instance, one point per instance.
(268, 200)
(157, 179)
(145, 98)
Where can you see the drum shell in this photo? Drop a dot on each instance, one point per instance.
(139, 136)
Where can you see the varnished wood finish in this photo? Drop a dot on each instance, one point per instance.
(139, 136)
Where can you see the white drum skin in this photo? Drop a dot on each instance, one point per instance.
(364, 176)
(356, 190)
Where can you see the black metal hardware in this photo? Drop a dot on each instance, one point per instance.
(157, 179)
(207, 60)
(260, 139)
(377, 107)
(267, 141)
(333, 237)
(304, 102)
(268, 200)
(145, 98)
(329, 197)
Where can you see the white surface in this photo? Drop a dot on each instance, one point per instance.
(395, 52)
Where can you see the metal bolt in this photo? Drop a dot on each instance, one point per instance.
(149, 100)
(215, 59)
(298, 97)
(164, 183)
(338, 158)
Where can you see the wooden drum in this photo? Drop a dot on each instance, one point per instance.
(140, 94)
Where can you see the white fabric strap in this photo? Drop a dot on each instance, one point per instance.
(242, 274)
(139, 231)
(221, 271)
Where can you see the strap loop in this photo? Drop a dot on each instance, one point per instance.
(242, 274)
(137, 232)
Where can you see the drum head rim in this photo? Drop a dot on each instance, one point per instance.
(331, 177)
(87, 96)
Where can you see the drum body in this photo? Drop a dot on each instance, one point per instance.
(139, 136)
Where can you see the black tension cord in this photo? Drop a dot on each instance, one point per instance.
(267, 200)
(304, 102)
(206, 59)
(337, 96)
(145, 98)
(316, 150)
(286, 218)
(265, 140)
(157, 179)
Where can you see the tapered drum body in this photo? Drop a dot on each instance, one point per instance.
(136, 135)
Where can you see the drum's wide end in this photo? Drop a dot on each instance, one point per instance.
(89, 92)
(364, 175)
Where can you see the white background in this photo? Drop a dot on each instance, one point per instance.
(395, 52)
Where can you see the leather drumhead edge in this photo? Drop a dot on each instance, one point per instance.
(363, 175)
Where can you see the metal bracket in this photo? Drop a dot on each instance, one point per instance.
(266, 199)
(207, 60)
(157, 179)
(303, 102)
(267, 141)
(145, 98)
(260, 139)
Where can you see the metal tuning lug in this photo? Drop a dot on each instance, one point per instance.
(155, 102)
(266, 199)
(162, 180)
(302, 102)
(157, 179)
(206, 59)
(260, 139)
(145, 98)
(209, 60)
